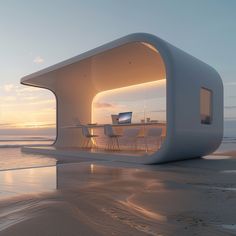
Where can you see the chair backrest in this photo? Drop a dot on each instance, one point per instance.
(153, 132)
(108, 130)
(85, 131)
(131, 132)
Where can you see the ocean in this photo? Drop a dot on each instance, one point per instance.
(13, 141)
(11, 156)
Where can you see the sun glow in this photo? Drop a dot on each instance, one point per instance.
(26, 108)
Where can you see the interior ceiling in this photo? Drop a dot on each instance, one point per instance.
(130, 64)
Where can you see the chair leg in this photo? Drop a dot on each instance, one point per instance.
(111, 147)
(159, 142)
(117, 142)
(112, 144)
(87, 143)
(109, 144)
(146, 144)
(82, 143)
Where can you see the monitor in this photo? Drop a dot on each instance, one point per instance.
(124, 117)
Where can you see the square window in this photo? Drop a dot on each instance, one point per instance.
(206, 106)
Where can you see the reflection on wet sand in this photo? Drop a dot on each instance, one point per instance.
(25, 181)
(100, 199)
(135, 208)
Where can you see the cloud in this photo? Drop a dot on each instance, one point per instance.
(20, 90)
(46, 101)
(30, 98)
(12, 101)
(38, 125)
(27, 125)
(38, 60)
(7, 99)
(26, 89)
(7, 124)
(104, 105)
(8, 87)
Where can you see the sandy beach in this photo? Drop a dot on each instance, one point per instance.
(106, 110)
(87, 197)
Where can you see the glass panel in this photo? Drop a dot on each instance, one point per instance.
(206, 106)
(146, 101)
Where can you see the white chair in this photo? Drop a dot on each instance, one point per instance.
(130, 135)
(88, 138)
(113, 138)
(142, 136)
(154, 133)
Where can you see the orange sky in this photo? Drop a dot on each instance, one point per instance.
(23, 107)
(26, 107)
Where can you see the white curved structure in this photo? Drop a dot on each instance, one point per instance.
(192, 86)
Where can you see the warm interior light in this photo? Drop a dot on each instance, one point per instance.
(141, 99)
(150, 46)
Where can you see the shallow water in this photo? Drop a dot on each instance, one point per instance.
(230, 227)
(25, 181)
(22, 173)
(11, 141)
(116, 198)
(13, 158)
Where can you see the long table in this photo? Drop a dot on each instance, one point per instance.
(92, 126)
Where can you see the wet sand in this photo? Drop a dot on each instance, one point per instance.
(195, 197)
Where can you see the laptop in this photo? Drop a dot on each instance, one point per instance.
(124, 117)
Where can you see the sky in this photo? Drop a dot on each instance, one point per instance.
(37, 34)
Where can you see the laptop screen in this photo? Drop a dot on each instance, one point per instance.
(124, 117)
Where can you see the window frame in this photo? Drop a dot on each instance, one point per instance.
(210, 119)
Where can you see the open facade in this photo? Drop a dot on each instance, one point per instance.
(136, 99)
